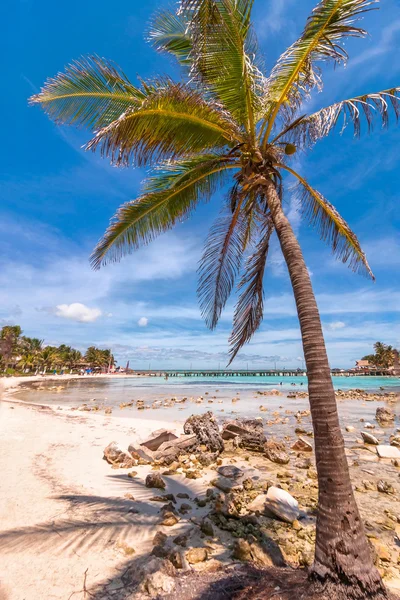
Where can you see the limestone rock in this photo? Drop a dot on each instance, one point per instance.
(282, 504)
(385, 487)
(230, 471)
(384, 451)
(241, 550)
(302, 445)
(395, 440)
(196, 555)
(207, 527)
(276, 452)
(154, 575)
(227, 485)
(114, 455)
(140, 453)
(368, 438)
(154, 480)
(384, 415)
(169, 519)
(205, 427)
(258, 504)
(157, 438)
(247, 433)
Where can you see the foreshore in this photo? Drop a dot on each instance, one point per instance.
(70, 522)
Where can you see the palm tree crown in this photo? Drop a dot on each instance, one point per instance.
(225, 122)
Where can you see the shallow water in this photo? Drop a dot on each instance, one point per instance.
(217, 394)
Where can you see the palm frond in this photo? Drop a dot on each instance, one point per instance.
(296, 72)
(332, 228)
(172, 121)
(224, 51)
(354, 111)
(92, 92)
(250, 306)
(168, 197)
(169, 33)
(221, 259)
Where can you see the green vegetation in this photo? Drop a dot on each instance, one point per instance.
(22, 354)
(226, 123)
(384, 356)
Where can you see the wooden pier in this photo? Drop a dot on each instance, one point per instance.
(253, 373)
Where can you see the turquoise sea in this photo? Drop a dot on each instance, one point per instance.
(223, 395)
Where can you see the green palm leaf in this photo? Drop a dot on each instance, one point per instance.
(295, 74)
(221, 259)
(173, 121)
(250, 306)
(167, 197)
(224, 47)
(353, 111)
(169, 33)
(92, 92)
(332, 227)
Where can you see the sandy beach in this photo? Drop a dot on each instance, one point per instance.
(71, 523)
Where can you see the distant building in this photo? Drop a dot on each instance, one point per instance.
(363, 364)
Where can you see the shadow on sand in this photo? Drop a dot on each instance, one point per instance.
(93, 523)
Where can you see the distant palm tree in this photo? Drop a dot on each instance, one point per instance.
(227, 123)
(49, 358)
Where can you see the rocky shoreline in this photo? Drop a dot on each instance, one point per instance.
(260, 502)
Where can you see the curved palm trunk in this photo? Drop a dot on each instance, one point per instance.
(342, 554)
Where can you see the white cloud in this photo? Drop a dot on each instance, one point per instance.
(336, 325)
(78, 312)
(143, 321)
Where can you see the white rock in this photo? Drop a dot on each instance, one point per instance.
(369, 438)
(350, 428)
(387, 451)
(282, 504)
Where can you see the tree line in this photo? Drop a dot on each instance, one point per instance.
(20, 353)
(384, 356)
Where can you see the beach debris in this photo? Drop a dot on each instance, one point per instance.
(385, 451)
(384, 415)
(115, 456)
(196, 555)
(368, 438)
(108, 410)
(302, 445)
(230, 471)
(157, 438)
(276, 452)
(246, 433)
(154, 480)
(205, 427)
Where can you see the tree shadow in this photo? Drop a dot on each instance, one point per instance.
(97, 522)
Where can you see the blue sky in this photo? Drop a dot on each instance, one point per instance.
(56, 200)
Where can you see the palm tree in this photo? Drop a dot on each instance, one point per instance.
(226, 123)
(49, 357)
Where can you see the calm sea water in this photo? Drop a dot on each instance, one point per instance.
(217, 394)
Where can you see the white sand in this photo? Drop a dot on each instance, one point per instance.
(62, 508)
